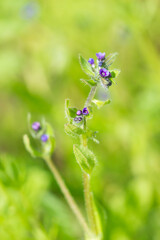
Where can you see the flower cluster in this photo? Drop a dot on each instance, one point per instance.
(80, 114)
(36, 126)
(103, 72)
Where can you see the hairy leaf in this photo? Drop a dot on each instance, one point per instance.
(85, 158)
(34, 153)
(73, 130)
(86, 67)
(115, 73)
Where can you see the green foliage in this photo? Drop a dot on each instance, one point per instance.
(73, 130)
(38, 70)
(31, 149)
(85, 158)
(115, 73)
(89, 82)
(99, 103)
(86, 67)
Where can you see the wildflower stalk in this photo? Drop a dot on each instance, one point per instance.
(67, 195)
(88, 195)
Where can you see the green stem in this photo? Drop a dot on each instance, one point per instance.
(90, 96)
(67, 195)
(86, 177)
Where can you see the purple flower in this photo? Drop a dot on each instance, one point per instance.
(44, 138)
(79, 113)
(100, 56)
(36, 126)
(104, 72)
(85, 111)
(91, 61)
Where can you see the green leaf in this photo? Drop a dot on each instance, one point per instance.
(115, 73)
(86, 67)
(89, 82)
(99, 103)
(67, 110)
(73, 130)
(101, 218)
(49, 146)
(85, 158)
(34, 153)
(72, 112)
(110, 59)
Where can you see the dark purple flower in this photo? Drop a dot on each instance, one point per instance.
(104, 72)
(79, 113)
(78, 119)
(100, 56)
(91, 61)
(85, 111)
(44, 138)
(36, 126)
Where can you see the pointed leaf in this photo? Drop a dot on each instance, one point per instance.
(49, 145)
(73, 130)
(115, 73)
(34, 153)
(85, 158)
(101, 218)
(86, 67)
(89, 82)
(99, 103)
(111, 58)
(72, 112)
(67, 110)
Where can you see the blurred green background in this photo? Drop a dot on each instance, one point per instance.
(39, 46)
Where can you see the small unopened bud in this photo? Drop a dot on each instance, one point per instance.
(78, 119)
(79, 113)
(44, 138)
(36, 126)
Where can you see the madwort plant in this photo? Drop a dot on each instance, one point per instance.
(42, 141)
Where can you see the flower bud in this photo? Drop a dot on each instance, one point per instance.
(109, 83)
(79, 113)
(44, 138)
(36, 126)
(78, 119)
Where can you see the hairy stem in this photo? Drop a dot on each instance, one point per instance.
(90, 96)
(86, 177)
(67, 195)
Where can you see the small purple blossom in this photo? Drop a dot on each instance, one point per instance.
(44, 138)
(100, 56)
(79, 113)
(91, 61)
(36, 126)
(85, 111)
(104, 72)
